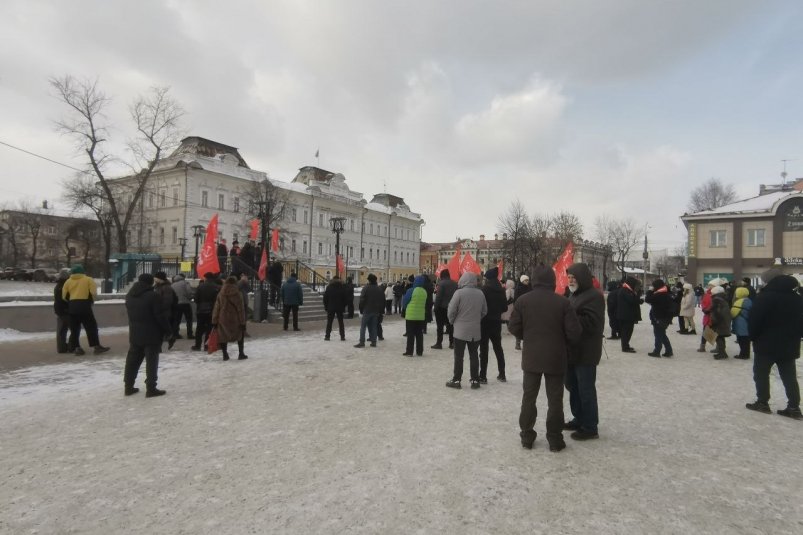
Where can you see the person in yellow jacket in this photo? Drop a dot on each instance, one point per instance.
(79, 291)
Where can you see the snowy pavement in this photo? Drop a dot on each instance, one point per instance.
(308, 436)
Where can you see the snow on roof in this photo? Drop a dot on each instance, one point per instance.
(759, 204)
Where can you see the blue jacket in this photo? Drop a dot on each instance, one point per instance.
(292, 295)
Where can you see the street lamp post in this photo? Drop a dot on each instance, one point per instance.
(197, 230)
(183, 243)
(645, 255)
(338, 225)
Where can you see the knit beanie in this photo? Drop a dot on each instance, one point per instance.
(77, 268)
(492, 273)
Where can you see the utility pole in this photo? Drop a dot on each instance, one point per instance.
(645, 255)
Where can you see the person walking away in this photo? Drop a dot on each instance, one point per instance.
(446, 289)
(292, 297)
(661, 316)
(205, 297)
(522, 288)
(720, 319)
(228, 317)
(184, 294)
(334, 301)
(349, 286)
(62, 310)
(147, 328)
(372, 303)
(740, 312)
(222, 255)
(677, 297)
(775, 325)
(164, 290)
(245, 288)
(705, 306)
(398, 293)
(547, 323)
(414, 310)
(491, 325)
(585, 353)
(275, 276)
(688, 304)
(611, 302)
(80, 291)
(698, 294)
(388, 289)
(465, 313)
(628, 311)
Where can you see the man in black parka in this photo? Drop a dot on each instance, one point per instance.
(628, 311)
(584, 353)
(775, 325)
(491, 325)
(334, 301)
(147, 327)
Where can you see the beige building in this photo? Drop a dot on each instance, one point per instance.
(203, 177)
(747, 237)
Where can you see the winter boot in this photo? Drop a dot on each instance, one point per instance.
(130, 390)
(475, 384)
(701, 349)
(759, 406)
(154, 392)
(453, 383)
(791, 412)
(100, 349)
(557, 445)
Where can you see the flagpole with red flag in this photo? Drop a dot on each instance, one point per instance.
(563, 262)
(207, 261)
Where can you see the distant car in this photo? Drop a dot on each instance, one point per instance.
(6, 273)
(45, 275)
(21, 274)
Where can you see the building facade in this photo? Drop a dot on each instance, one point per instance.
(748, 237)
(203, 177)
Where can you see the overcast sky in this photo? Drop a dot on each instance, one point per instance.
(617, 107)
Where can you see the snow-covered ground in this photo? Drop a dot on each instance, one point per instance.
(308, 436)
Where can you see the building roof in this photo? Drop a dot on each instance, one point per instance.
(199, 146)
(754, 206)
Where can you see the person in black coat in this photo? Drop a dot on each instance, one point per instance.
(613, 321)
(62, 310)
(776, 327)
(334, 301)
(147, 327)
(205, 297)
(349, 289)
(521, 288)
(372, 304)
(430, 289)
(491, 325)
(446, 289)
(628, 311)
(275, 275)
(585, 352)
(660, 302)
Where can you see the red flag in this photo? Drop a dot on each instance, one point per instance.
(274, 240)
(565, 260)
(453, 265)
(263, 265)
(469, 265)
(254, 229)
(207, 258)
(339, 266)
(500, 266)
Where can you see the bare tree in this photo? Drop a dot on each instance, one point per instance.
(156, 118)
(515, 225)
(9, 234)
(711, 194)
(30, 217)
(266, 202)
(83, 193)
(620, 235)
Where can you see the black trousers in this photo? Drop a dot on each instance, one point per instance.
(529, 411)
(491, 332)
(224, 347)
(786, 369)
(133, 361)
(744, 346)
(441, 323)
(62, 333)
(203, 328)
(286, 314)
(626, 332)
(183, 311)
(415, 336)
(388, 306)
(350, 306)
(90, 325)
(330, 317)
(473, 358)
(614, 324)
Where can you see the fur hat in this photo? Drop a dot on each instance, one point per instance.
(716, 290)
(524, 279)
(146, 278)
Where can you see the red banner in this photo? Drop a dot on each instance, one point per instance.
(565, 260)
(339, 266)
(501, 267)
(254, 229)
(207, 258)
(469, 265)
(453, 265)
(274, 240)
(263, 265)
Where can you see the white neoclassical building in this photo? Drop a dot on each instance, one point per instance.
(203, 177)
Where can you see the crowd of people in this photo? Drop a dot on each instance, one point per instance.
(560, 335)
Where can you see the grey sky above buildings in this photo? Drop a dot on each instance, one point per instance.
(619, 107)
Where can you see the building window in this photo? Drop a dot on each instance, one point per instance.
(385, 254)
(395, 232)
(755, 237)
(330, 249)
(717, 238)
(306, 216)
(414, 258)
(175, 196)
(161, 235)
(370, 254)
(294, 218)
(408, 258)
(281, 244)
(150, 200)
(320, 248)
(205, 199)
(320, 219)
(220, 201)
(162, 199)
(175, 235)
(362, 254)
(293, 246)
(150, 236)
(236, 204)
(304, 247)
(372, 228)
(408, 234)
(395, 256)
(351, 223)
